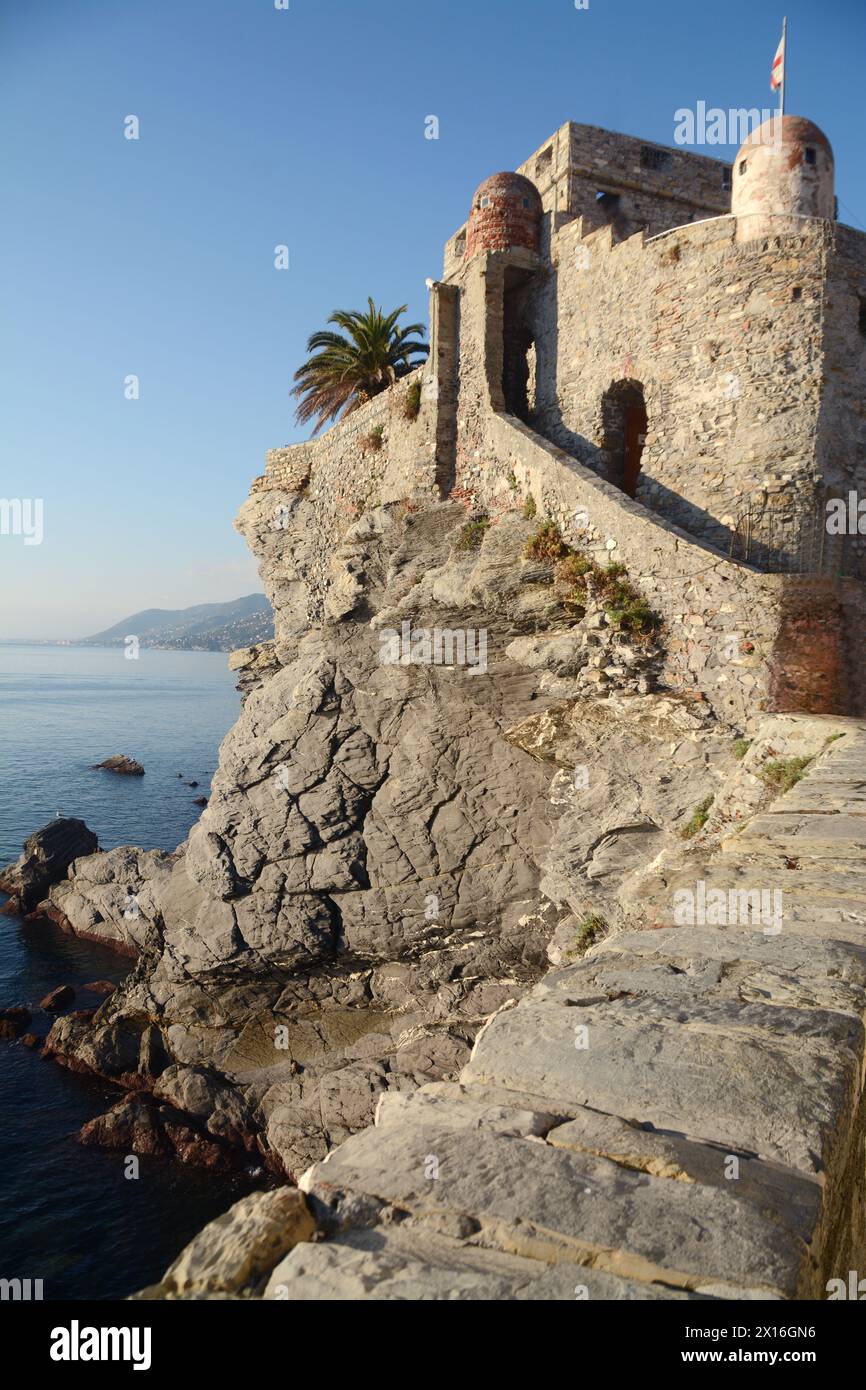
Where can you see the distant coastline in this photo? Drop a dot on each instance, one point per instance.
(205, 627)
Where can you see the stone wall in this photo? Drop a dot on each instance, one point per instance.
(725, 342)
(375, 455)
(841, 442)
(729, 628)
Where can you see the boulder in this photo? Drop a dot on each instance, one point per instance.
(46, 858)
(119, 762)
(239, 1249)
(59, 998)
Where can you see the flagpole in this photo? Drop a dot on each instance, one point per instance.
(784, 65)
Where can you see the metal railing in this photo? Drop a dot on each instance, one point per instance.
(795, 541)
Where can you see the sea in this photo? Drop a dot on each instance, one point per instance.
(69, 1215)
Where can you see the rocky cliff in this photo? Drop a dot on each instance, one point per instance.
(396, 833)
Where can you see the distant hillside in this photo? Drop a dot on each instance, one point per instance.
(213, 627)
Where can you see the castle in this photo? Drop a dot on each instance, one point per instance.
(669, 354)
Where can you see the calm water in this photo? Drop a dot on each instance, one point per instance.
(67, 1214)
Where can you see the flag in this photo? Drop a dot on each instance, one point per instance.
(777, 72)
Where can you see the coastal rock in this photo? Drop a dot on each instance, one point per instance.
(253, 665)
(100, 987)
(113, 898)
(59, 998)
(46, 857)
(132, 1053)
(119, 762)
(233, 1253)
(208, 1099)
(138, 1124)
(14, 1022)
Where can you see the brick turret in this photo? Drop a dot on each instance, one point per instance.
(506, 212)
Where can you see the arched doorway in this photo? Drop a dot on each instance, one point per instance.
(624, 429)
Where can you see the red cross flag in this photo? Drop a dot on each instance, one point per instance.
(777, 72)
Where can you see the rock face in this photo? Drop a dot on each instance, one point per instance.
(236, 1252)
(113, 898)
(46, 857)
(119, 762)
(677, 1115)
(398, 826)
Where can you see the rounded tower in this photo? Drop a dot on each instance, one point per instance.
(782, 174)
(506, 212)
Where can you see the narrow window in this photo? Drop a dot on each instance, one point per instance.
(797, 292)
(544, 162)
(743, 163)
(651, 158)
(726, 178)
(810, 154)
(861, 315)
(485, 203)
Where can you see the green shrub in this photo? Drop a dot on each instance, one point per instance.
(412, 406)
(546, 544)
(590, 930)
(741, 747)
(472, 534)
(781, 774)
(699, 818)
(375, 439)
(529, 508)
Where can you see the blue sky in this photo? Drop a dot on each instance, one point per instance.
(302, 127)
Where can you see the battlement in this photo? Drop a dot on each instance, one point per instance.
(582, 170)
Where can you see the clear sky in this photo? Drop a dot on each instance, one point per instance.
(303, 126)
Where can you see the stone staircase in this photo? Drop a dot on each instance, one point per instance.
(678, 1115)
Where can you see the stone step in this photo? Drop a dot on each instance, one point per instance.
(836, 837)
(526, 1197)
(408, 1264)
(772, 1081)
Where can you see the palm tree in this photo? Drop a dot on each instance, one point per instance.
(348, 368)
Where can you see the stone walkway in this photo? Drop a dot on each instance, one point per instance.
(677, 1115)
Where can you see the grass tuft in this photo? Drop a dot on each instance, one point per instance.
(783, 773)
(472, 534)
(699, 818)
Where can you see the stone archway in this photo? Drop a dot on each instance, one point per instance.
(624, 429)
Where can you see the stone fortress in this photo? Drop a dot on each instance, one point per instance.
(669, 353)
